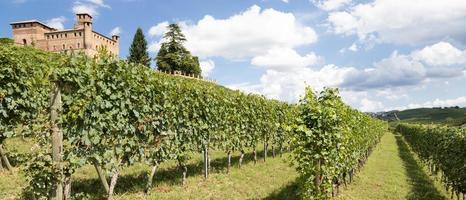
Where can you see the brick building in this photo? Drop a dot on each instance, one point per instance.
(80, 38)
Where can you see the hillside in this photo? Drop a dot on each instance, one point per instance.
(452, 116)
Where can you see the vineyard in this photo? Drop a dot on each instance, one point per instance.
(443, 150)
(114, 115)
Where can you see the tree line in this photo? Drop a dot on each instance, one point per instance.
(172, 56)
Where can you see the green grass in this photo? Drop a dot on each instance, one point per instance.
(252, 181)
(393, 172)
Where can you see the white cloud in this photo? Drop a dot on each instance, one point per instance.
(56, 23)
(116, 31)
(289, 85)
(397, 70)
(99, 3)
(459, 101)
(440, 54)
(353, 47)
(285, 59)
(207, 66)
(245, 35)
(89, 6)
(329, 5)
(368, 105)
(402, 21)
(288, 73)
(440, 60)
(85, 8)
(159, 29)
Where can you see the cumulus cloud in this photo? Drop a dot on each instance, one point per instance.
(207, 66)
(159, 29)
(440, 60)
(285, 59)
(116, 31)
(286, 78)
(289, 85)
(329, 5)
(440, 54)
(89, 6)
(401, 21)
(56, 23)
(245, 35)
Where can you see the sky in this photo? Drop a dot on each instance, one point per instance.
(381, 54)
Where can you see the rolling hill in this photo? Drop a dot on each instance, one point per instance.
(451, 116)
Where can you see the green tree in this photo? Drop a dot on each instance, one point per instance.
(173, 56)
(138, 50)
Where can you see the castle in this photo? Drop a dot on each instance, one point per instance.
(80, 38)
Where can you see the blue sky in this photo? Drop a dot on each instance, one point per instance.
(382, 54)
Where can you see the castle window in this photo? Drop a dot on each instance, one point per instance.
(75, 35)
(64, 46)
(80, 34)
(24, 42)
(66, 35)
(48, 37)
(52, 36)
(79, 45)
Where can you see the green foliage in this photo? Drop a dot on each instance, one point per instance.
(443, 148)
(173, 56)
(6, 41)
(116, 113)
(138, 50)
(330, 140)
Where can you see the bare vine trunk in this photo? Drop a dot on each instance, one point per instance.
(57, 139)
(102, 177)
(229, 162)
(67, 188)
(241, 159)
(151, 177)
(113, 183)
(1, 166)
(273, 151)
(5, 158)
(185, 172)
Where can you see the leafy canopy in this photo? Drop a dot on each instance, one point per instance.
(173, 56)
(138, 50)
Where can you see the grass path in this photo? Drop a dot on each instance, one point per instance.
(393, 172)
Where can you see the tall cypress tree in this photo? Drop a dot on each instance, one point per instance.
(138, 50)
(173, 56)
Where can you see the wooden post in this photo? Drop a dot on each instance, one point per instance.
(57, 139)
(265, 148)
(206, 163)
(229, 162)
(317, 177)
(255, 156)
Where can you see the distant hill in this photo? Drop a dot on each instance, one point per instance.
(452, 115)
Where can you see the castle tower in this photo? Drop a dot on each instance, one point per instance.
(83, 20)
